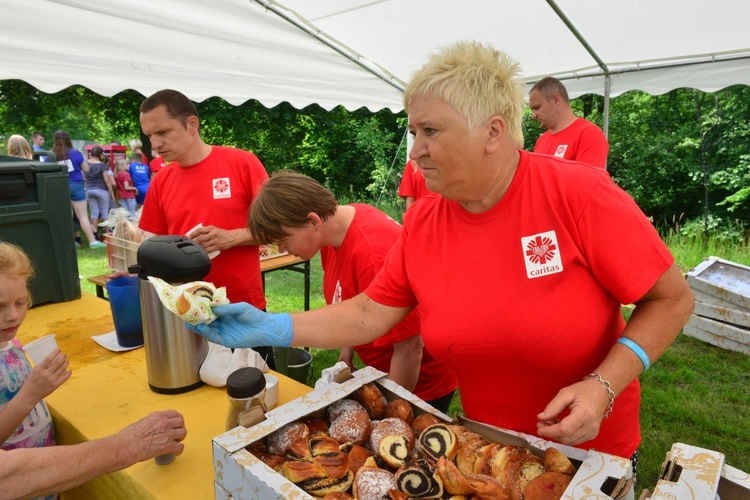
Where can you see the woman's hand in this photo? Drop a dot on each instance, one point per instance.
(586, 402)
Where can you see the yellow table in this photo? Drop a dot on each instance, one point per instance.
(109, 390)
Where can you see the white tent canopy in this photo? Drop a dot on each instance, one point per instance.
(361, 52)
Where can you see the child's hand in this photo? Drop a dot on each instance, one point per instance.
(47, 376)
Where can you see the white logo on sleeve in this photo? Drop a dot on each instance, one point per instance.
(560, 151)
(221, 188)
(541, 254)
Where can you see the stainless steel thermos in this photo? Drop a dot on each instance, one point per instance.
(174, 354)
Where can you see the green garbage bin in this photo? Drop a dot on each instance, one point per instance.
(35, 214)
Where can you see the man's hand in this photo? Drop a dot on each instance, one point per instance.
(212, 238)
(159, 433)
(242, 325)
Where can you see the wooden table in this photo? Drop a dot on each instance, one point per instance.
(282, 262)
(109, 390)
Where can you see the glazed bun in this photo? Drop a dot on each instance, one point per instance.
(423, 421)
(280, 441)
(372, 399)
(400, 408)
(547, 486)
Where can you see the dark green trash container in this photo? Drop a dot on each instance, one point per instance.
(35, 214)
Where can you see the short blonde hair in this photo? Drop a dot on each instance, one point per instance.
(476, 80)
(19, 146)
(15, 263)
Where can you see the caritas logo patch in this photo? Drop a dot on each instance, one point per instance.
(221, 188)
(541, 255)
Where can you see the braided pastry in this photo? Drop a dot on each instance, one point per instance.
(419, 480)
(327, 485)
(487, 487)
(438, 440)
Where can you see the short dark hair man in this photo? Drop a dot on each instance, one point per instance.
(567, 136)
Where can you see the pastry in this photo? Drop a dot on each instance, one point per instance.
(338, 496)
(322, 443)
(372, 399)
(280, 441)
(400, 408)
(357, 456)
(387, 426)
(353, 426)
(438, 440)
(394, 450)
(423, 421)
(371, 483)
(487, 487)
(500, 460)
(519, 471)
(298, 471)
(327, 485)
(555, 460)
(340, 407)
(334, 464)
(316, 425)
(454, 482)
(419, 480)
(547, 486)
(198, 291)
(467, 452)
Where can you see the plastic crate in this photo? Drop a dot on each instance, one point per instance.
(270, 251)
(121, 253)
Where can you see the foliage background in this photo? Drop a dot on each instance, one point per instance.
(683, 156)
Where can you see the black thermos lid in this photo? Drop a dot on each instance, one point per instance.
(245, 382)
(175, 259)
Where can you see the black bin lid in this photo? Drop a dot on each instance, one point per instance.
(173, 258)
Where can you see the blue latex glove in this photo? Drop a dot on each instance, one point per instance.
(242, 325)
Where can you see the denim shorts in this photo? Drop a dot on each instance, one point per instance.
(77, 191)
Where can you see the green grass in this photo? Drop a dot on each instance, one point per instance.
(695, 393)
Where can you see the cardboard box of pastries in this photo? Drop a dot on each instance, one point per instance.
(694, 473)
(261, 462)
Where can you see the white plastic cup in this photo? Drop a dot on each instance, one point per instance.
(271, 399)
(41, 348)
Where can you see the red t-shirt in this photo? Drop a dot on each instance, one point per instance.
(350, 268)
(580, 141)
(525, 298)
(217, 192)
(412, 183)
(120, 179)
(156, 164)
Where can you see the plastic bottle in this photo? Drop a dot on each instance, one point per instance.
(246, 389)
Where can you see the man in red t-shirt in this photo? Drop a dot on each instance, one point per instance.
(519, 268)
(209, 185)
(412, 185)
(303, 217)
(567, 136)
